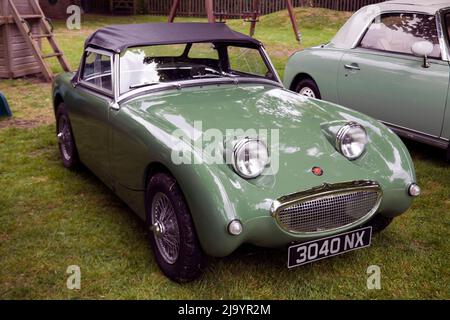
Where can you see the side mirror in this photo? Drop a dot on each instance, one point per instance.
(423, 49)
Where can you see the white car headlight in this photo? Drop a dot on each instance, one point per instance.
(351, 140)
(250, 157)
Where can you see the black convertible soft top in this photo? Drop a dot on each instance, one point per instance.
(117, 38)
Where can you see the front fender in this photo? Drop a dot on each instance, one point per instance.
(214, 203)
(319, 63)
(138, 143)
(60, 87)
(386, 160)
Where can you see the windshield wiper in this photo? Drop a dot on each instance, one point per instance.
(205, 76)
(146, 84)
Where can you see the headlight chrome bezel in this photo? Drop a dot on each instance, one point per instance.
(239, 147)
(343, 132)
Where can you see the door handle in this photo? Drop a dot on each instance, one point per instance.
(353, 66)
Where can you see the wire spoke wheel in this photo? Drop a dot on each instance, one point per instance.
(165, 228)
(65, 137)
(172, 233)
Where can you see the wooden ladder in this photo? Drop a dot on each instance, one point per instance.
(33, 39)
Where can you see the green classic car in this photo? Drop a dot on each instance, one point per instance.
(389, 61)
(190, 125)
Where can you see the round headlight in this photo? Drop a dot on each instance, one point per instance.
(351, 140)
(250, 158)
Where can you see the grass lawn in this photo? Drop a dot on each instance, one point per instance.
(51, 218)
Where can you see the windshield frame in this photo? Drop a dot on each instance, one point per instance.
(203, 81)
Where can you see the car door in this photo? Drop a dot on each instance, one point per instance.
(382, 78)
(89, 114)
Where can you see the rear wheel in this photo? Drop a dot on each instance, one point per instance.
(67, 147)
(172, 234)
(307, 87)
(379, 223)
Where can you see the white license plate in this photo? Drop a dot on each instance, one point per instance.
(311, 251)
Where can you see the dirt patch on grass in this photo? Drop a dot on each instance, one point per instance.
(447, 204)
(282, 51)
(24, 123)
(4, 237)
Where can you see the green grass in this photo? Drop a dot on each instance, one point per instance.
(51, 217)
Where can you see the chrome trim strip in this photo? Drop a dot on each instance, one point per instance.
(413, 131)
(436, 141)
(442, 41)
(116, 70)
(323, 191)
(400, 55)
(270, 64)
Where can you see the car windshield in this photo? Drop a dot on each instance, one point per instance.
(151, 65)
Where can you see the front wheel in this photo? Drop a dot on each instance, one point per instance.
(308, 88)
(172, 234)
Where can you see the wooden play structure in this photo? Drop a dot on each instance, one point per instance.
(123, 6)
(120, 7)
(252, 16)
(23, 28)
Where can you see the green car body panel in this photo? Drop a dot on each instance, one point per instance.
(123, 145)
(391, 87)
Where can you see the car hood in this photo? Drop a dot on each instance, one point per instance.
(305, 127)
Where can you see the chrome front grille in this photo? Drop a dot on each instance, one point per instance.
(329, 207)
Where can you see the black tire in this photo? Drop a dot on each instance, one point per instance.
(448, 154)
(310, 84)
(190, 260)
(67, 147)
(379, 223)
